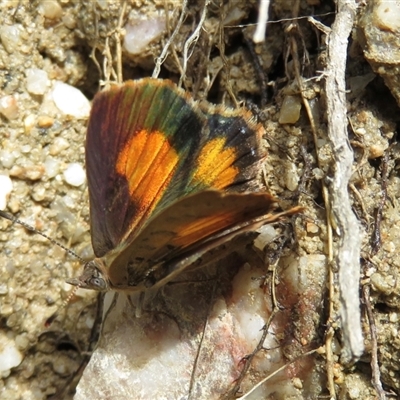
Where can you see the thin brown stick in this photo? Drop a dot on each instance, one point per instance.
(221, 48)
(360, 199)
(203, 334)
(376, 374)
(376, 239)
(260, 345)
(246, 395)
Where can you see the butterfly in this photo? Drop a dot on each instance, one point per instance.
(168, 181)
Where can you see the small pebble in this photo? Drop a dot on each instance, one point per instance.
(39, 193)
(297, 383)
(291, 177)
(389, 246)
(70, 100)
(376, 150)
(394, 319)
(69, 21)
(3, 289)
(311, 227)
(382, 283)
(102, 4)
(10, 36)
(60, 368)
(267, 234)
(45, 122)
(9, 107)
(387, 16)
(29, 122)
(89, 322)
(22, 341)
(59, 144)
(68, 201)
(26, 149)
(7, 158)
(140, 33)
(75, 175)
(33, 172)
(52, 167)
(37, 81)
(318, 173)
(6, 310)
(290, 110)
(50, 9)
(6, 187)
(10, 356)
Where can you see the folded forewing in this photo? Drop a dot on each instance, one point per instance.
(149, 144)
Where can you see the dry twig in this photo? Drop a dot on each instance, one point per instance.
(376, 240)
(376, 374)
(171, 39)
(342, 216)
(191, 41)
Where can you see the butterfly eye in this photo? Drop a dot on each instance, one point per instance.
(98, 284)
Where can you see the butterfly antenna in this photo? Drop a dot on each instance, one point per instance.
(32, 229)
(13, 219)
(64, 304)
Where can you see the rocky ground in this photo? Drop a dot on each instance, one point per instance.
(55, 55)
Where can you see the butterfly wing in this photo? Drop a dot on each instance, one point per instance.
(148, 145)
(189, 227)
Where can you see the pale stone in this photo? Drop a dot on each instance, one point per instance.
(75, 175)
(37, 81)
(10, 356)
(6, 187)
(70, 100)
(141, 32)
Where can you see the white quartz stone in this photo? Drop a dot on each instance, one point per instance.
(5, 189)
(37, 81)
(70, 100)
(75, 175)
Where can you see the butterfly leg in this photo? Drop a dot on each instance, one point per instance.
(139, 305)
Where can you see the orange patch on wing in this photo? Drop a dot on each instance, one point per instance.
(214, 165)
(148, 163)
(204, 227)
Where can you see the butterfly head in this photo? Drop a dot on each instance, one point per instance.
(92, 277)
